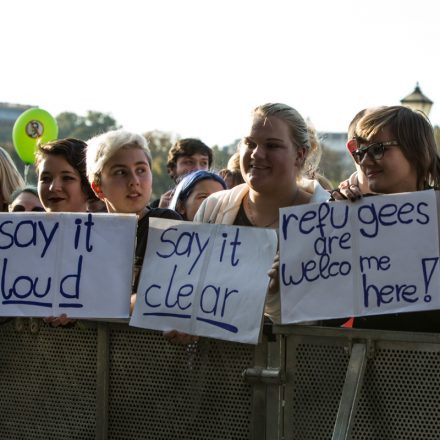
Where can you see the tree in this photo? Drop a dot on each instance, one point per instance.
(84, 127)
(160, 142)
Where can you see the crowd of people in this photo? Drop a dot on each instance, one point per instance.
(275, 166)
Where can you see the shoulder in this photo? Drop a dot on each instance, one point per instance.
(219, 204)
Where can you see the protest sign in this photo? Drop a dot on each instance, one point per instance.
(375, 256)
(77, 264)
(202, 279)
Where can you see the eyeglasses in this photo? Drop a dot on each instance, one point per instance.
(21, 208)
(375, 151)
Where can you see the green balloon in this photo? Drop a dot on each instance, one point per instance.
(32, 127)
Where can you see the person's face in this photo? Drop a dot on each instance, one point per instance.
(26, 201)
(126, 182)
(200, 192)
(269, 160)
(59, 186)
(391, 174)
(186, 164)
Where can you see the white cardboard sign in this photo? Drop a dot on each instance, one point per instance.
(376, 256)
(72, 263)
(203, 279)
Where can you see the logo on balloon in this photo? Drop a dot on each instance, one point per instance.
(34, 129)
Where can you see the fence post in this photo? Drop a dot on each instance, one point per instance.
(350, 392)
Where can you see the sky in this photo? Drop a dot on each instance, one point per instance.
(197, 68)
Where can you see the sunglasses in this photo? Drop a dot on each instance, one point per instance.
(21, 208)
(375, 151)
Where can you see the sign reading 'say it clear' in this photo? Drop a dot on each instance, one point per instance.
(203, 279)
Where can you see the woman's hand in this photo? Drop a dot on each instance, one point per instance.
(165, 199)
(274, 283)
(348, 190)
(176, 337)
(59, 321)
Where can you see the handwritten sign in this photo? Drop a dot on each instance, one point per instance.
(202, 279)
(78, 264)
(376, 256)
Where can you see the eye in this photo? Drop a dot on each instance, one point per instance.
(45, 179)
(68, 178)
(249, 144)
(119, 172)
(272, 145)
(141, 170)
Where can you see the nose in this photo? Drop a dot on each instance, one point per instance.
(134, 179)
(258, 152)
(366, 159)
(55, 184)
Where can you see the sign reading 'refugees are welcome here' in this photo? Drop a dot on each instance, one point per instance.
(376, 256)
(63, 263)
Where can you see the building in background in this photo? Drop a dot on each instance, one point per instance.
(417, 101)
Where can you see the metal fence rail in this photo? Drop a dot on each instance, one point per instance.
(110, 381)
(398, 397)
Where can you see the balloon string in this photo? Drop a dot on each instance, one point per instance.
(26, 173)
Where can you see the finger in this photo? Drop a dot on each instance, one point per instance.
(170, 334)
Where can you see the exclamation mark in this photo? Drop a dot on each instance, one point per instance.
(428, 266)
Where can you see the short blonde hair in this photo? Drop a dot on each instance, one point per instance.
(101, 148)
(10, 178)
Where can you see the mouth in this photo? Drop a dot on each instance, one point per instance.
(134, 196)
(372, 173)
(55, 200)
(258, 167)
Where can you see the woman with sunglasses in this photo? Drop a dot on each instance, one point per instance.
(26, 200)
(396, 150)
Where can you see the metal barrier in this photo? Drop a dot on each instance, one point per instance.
(101, 380)
(358, 384)
(110, 381)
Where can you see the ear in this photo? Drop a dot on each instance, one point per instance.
(98, 191)
(301, 154)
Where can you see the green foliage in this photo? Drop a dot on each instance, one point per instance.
(84, 127)
(160, 142)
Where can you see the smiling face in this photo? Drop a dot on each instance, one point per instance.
(269, 160)
(200, 192)
(59, 186)
(126, 181)
(391, 174)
